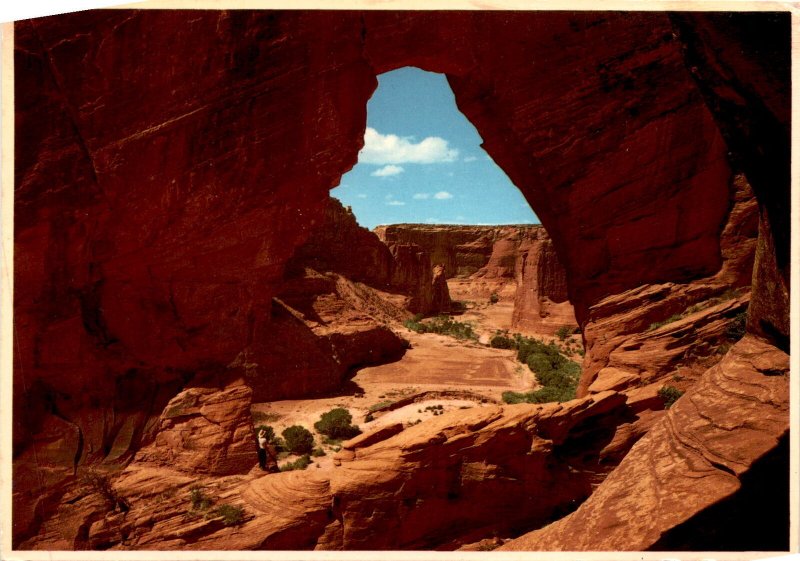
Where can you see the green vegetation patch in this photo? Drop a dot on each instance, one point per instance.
(563, 332)
(231, 515)
(656, 324)
(379, 405)
(199, 499)
(501, 340)
(557, 374)
(300, 463)
(298, 440)
(443, 325)
(337, 424)
(737, 327)
(670, 395)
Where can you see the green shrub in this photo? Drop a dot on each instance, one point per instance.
(547, 394)
(299, 440)
(494, 298)
(199, 499)
(379, 405)
(369, 418)
(557, 374)
(337, 423)
(737, 327)
(300, 463)
(318, 452)
(443, 325)
(563, 332)
(670, 395)
(458, 307)
(656, 324)
(415, 323)
(101, 484)
(502, 341)
(231, 515)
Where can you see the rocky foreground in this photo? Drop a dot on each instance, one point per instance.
(161, 197)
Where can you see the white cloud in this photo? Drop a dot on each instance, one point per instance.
(387, 171)
(470, 159)
(384, 149)
(421, 196)
(443, 195)
(396, 203)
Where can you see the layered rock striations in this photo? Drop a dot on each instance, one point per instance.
(437, 484)
(161, 187)
(340, 245)
(671, 333)
(691, 470)
(541, 300)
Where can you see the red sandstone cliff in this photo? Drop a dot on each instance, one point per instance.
(340, 245)
(516, 262)
(152, 230)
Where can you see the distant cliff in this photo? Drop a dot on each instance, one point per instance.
(516, 261)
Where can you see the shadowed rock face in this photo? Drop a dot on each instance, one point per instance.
(161, 187)
(695, 457)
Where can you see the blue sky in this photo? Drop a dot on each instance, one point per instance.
(422, 161)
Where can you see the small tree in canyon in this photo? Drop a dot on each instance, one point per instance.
(299, 440)
(337, 424)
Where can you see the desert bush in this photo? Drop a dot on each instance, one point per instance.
(101, 484)
(563, 332)
(298, 440)
(379, 405)
(737, 327)
(494, 298)
(656, 324)
(415, 323)
(443, 325)
(199, 499)
(231, 515)
(318, 452)
(337, 423)
(557, 374)
(300, 463)
(502, 341)
(670, 395)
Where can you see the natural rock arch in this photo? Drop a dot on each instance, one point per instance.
(158, 200)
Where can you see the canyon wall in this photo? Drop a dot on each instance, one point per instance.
(513, 262)
(341, 246)
(165, 174)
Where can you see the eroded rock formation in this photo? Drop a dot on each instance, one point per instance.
(514, 262)
(696, 457)
(673, 332)
(341, 246)
(435, 484)
(162, 186)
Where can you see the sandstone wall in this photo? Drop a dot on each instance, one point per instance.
(515, 262)
(164, 175)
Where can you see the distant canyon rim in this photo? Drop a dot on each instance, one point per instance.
(181, 272)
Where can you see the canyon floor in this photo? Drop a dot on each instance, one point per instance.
(437, 373)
